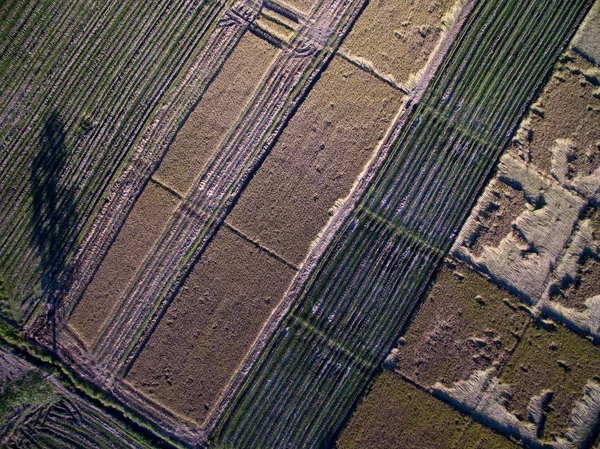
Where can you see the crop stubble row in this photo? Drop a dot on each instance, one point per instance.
(300, 391)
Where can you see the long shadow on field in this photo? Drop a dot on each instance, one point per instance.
(53, 209)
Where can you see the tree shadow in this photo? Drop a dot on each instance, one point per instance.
(53, 208)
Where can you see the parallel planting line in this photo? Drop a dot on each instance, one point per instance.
(374, 273)
(212, 195)
(99, 72)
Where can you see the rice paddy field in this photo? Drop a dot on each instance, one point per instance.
(299, 224)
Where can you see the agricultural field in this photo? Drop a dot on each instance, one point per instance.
(300, 224)
(389, 244)
(316, 160)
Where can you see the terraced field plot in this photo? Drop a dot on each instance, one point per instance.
(328, 348)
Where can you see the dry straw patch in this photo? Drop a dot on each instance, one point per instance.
(399, 36)
(316, 160)
(217, 112)
(143, 227)
(210, 326)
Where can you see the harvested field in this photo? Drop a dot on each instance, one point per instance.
(586, 285)
(397, 37)
(566, 111)
(497, 218)
(210, 326)
(397, 415)
(534, 240)
(551, 360)
(466, 324)
(144, 225)
(214, 193)
(330, 344)
(316, 160)
(220, 107)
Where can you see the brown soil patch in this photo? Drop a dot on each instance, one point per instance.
(216, 113)
(480, 437)
(559, 361)
(567, 108)
(497, 218)
(464, 325)
(398, 36)
(210, 326)
(143, 227)
(316, 160)
(397, 415)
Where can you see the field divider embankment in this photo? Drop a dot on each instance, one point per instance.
(263, 248)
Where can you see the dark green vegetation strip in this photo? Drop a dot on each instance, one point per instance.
(353, 308)
(79, 80)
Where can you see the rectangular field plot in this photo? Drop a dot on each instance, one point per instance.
(210, 326)
(316, 160)
(144, 225)
(397, 37)
(556, 361)
(216, 113)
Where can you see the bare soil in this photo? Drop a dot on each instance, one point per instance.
(466, 324)
(568, 111)
(397, 415)
(217, 112)
(398, 36)
(143, 227)
(316, 160)
(210, 326)
(559, 361)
